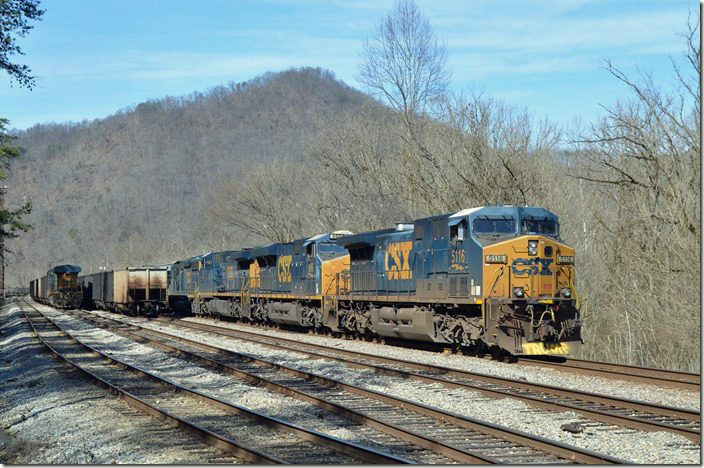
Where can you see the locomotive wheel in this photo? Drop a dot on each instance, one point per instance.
(497, 354)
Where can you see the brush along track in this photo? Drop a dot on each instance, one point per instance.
(638, 415)
(460, 438)
(214, 420)
(648, 375)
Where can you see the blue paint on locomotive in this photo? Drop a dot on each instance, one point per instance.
(236, 266)
(211, 277)
(64, 269)
(294, 268)
(182, 277)
(432, 254)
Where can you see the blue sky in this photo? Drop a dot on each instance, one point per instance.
(95, 57)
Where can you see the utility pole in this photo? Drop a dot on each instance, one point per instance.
(3, 191)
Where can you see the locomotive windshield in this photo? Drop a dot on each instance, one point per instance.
(494, 227)
(547, 227)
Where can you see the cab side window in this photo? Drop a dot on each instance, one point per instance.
(458, 232)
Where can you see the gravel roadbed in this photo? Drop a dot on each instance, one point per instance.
(636, 446)
(233, 390)
(620, 388)
(50, 414)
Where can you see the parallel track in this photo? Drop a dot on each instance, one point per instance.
(460, 438)
(211, 419)
(632, 414)
(648, 375)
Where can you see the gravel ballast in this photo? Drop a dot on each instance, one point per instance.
(50, 414)
(635, 446)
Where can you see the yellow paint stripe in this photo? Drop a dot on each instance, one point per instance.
(552, 348)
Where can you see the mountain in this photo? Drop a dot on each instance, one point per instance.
(132, 188)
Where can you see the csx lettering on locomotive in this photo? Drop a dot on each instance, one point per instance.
(533, 266)
(398, 260)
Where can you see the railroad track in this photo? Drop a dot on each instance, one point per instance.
(649, 375)
(453, 436)
(633, 414)
(217, 422)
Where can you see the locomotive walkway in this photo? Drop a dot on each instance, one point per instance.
(453, 437)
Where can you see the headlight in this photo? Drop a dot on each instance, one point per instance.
(518, 292)
(566, 292)
(533, 247)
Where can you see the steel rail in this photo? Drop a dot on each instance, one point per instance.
(207, 436)
(394, 430)
(609, 417)
(649, 375)
(363, 453)
(573, 454)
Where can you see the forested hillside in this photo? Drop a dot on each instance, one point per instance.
(136, 187)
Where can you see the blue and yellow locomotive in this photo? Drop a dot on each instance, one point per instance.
(282, 283)
(493, 278)
(58, 288)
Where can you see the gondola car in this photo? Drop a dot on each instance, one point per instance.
(134, 290)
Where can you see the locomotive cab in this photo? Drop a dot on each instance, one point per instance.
(528, 278)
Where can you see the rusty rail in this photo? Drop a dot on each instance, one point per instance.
(649, 375)
(248, 453)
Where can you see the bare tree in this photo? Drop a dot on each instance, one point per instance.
(643, 160)
(403, 62)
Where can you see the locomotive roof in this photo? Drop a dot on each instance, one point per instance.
(363, 238)
(516, 212)
(64, 269)
(265, 250)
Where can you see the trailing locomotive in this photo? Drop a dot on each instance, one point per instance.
(135, 291)
(280, 283)
(496, 278)
(58, 288)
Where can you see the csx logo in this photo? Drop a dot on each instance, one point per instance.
(284, 267)
(532, 266)
(398, 265)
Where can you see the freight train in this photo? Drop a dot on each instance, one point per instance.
(134, 291)
(495, 279)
